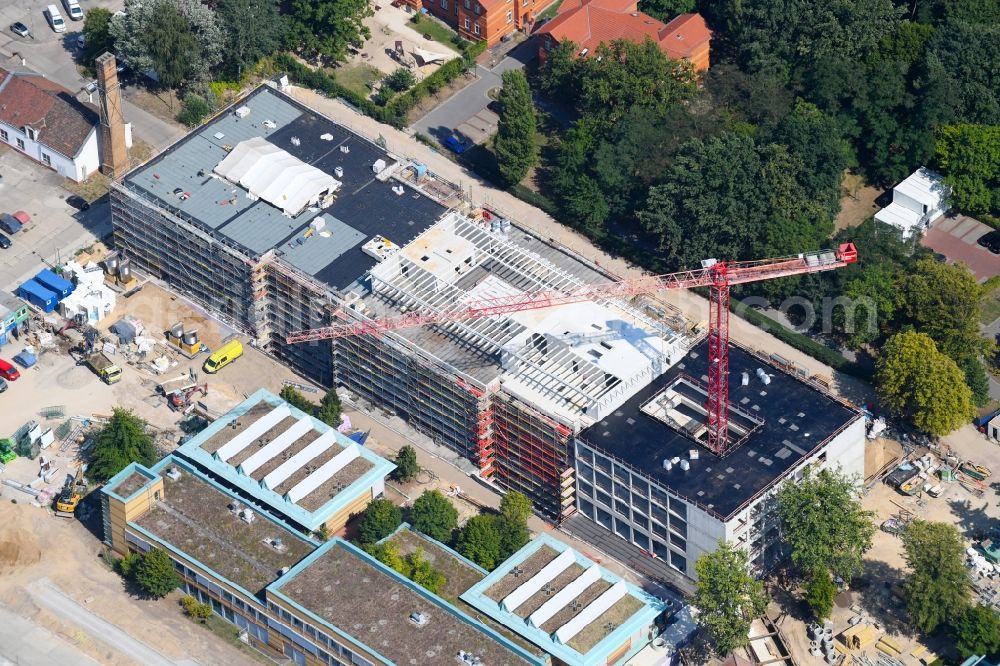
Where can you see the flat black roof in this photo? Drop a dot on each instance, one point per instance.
(797, 419)
(364, 206)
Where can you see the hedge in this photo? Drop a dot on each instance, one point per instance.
(394, 113)
(804, 343)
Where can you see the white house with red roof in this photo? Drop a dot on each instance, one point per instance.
(46, 122)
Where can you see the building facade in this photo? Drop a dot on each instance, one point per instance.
(485, 20)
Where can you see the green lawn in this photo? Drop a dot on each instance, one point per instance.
(357, 77)
(552, 10)
(438, 31)
(991, 307)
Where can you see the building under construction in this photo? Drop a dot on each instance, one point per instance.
(278, 219)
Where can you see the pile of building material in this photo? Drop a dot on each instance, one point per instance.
(92, 299)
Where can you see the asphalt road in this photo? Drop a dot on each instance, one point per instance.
(473, 98)
(53, 55)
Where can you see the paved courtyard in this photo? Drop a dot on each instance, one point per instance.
(955, 238)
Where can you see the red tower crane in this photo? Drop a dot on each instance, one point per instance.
(718, 276)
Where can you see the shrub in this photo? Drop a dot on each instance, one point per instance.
(196, 610)
(400, 80)
(195, 109)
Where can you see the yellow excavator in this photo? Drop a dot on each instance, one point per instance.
(70, 495)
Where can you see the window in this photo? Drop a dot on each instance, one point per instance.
(586, 489)
(479, 9)
(20, 144)
(510, 17)
(660, 550)
(622, 474)
(46, 159)
(660, 530)
(467, 5)
(678, 542)
(603, 498)
(622, 508)
(622, 528)
(587, 508)
(4, 136)
(468, 23)
(524, 3)
(604, 482)
(604, 518)
(30, 132)
(586, 472)
(621, 491)
(678, 562)
(640, 539)
(679, 526)
(444, 4)
(477, 29)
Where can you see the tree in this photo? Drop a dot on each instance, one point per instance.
(423, 573)
(180, 40)
(914, 380)
(433, 515)
(514, 143)
(728, 598)
(400, 80)
(557, 74)
(388, 554)
(512, 523)
(97, 35)
(327, 27)
(380, 519)
(122, 441)
(625, 74)
(969, 156)
(820, 592)
(943, 301)
(406, 464)
(938, 587)
(195, 109)
(824, 523)
(515, 507)
(329, 411)
(253, 29)
(155, 575)
(196, 610)
(976, 631)
(666, 10)
(294, 398)
(480, 541)
(126, 565)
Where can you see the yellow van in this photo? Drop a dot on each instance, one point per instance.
(223, 356)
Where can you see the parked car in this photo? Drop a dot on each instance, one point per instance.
(20, 29)
(3, 384)
(8, 371)
(456, 144)
(9, 224)
(990, 241)
(81, 41)
(4, 242)
(78, 202)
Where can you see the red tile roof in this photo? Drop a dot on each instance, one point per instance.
(587, 23)
(62, 122)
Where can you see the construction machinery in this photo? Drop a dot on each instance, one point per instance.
(718, 276)
(181, 400)
(72, 491)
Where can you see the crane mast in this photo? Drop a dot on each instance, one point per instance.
(717, 276)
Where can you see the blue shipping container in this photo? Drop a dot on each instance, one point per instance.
(38, 296)
(53, 282)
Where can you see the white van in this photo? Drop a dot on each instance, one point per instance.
(55, 19)
(73, 9)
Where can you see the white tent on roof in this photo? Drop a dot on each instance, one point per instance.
(274, 175)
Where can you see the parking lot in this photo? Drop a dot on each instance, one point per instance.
(955, 237)
(56, 229)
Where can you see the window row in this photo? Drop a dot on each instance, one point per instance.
(628, 532)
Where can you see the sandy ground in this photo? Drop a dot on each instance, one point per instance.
(34, 545)
(871, 595)
(857, 202)
(391, 24)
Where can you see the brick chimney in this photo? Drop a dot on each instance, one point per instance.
(114, 154)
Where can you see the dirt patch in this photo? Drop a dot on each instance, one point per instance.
(164, 104)
(74, 378)
(18, 548)
(857, 202)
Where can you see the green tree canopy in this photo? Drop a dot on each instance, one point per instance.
(969, 157)
(914, 380)
(667, 10)
(514, 144)
(406, 464)
(944, 302)
(434, 515)
(820, 593)
(97, 35)
(728, 598)
(329, 411)
(423, 573)
(824, 523)
(380, 519)
(976, 631)
(253, 29)
(294, 397)
(123, 440)
(327, 27)
(401, 79)
(155, 575)
(557, 74)
(480, 541)
(515, 507)
(938, 587)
